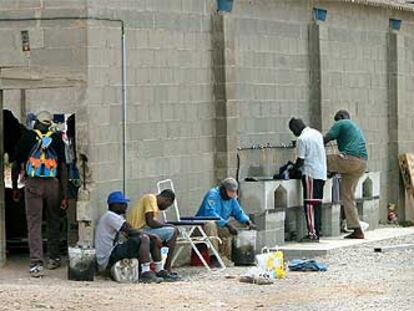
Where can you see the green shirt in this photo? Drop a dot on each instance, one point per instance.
(349, 137)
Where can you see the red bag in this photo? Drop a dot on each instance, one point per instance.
(195, 260)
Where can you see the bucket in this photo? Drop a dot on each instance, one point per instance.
(81, 264)
(244, 248)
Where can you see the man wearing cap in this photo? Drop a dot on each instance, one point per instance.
(110, 248)
(46, 181)
(351, 163)
(145, 215)
(221, 202)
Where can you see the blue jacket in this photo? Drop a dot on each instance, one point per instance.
(214, 205)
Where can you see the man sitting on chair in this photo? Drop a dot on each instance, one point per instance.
(221, 202)
(145, 215)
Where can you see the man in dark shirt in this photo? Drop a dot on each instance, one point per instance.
(50, 187)
(351, 163)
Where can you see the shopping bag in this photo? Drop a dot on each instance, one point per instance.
(271, 261)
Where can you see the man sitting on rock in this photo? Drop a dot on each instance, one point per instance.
(110, 249)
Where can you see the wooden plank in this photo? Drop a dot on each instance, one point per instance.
(406, 163)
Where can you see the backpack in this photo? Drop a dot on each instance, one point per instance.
(43, 160)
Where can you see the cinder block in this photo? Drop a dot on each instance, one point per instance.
(269, 220)
(270, 238)
(83, 206)
(368, 211)
(327, 191)
(270, 194)
(368, 185)
(331, 219)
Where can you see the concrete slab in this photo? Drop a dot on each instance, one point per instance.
(328, 244)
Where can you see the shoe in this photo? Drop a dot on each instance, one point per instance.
(355, 235)
(310, 239)
(149, 277)
(54, 263)
(168, 277)
(36, 271)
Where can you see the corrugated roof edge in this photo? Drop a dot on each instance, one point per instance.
(382, 3)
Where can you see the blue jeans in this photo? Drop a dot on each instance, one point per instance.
(164, 233)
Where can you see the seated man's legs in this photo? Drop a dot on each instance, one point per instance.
(224, 249)
(135, 247)
(168, 236)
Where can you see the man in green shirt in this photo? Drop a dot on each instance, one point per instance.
(351, 163)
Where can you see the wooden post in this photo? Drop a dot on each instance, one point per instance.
(2, 205)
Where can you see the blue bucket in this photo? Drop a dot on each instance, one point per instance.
(224, 5)
(320, 14)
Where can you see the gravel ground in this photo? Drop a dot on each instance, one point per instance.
(357, 279)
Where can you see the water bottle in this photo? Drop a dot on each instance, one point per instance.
(164, 253)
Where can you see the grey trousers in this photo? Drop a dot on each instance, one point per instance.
(38, 190)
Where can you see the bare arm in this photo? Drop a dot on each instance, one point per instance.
(129, 231)
(151, 222)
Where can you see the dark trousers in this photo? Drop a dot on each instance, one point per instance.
(129, 249)
(312, 195)
(38, 190)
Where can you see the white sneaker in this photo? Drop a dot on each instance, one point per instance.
(36, 271)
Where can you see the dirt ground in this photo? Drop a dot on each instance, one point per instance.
(357, 279)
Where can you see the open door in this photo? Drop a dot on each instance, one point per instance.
(2, 205)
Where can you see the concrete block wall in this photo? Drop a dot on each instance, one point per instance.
(354, 76)
(269, 76)
(171, 111)
(173, 60)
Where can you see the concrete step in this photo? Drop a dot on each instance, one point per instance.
(326, 245)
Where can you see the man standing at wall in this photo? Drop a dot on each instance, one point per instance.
(351, 163)
(43, 153)
(311, 160)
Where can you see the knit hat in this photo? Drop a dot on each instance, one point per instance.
(230, 183)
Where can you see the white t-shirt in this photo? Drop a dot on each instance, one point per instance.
(108, 226)
(311, 149)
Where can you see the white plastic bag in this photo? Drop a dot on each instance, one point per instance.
(126, 271)
(271, 261)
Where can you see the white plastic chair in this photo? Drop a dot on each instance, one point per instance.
(188, 230)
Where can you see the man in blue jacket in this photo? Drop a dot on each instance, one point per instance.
(221, 201)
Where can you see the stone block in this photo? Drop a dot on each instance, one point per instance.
(270, 238)
(331, 220)
(368, 211)
(264, 195)
(327, 191)
(269, 220)
(368, 185)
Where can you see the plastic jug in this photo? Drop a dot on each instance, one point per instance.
(244, 248)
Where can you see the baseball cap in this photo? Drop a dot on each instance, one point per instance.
(44, 117)
(230, 183)
(117, 197)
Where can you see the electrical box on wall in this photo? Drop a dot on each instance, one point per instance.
(25, 40)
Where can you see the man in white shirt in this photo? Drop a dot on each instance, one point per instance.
(110, 249)
(311, 160)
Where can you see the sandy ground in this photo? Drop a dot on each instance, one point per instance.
(357, 279)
